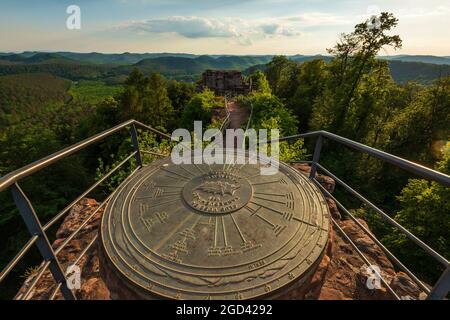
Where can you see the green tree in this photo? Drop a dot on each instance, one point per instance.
(180, 93)
(425, 211)
(415, 129)
(200, 108)
(354, 60)
(107, 114)
(308, 86)
(270, 113)
(148, 141)
(356, 102)
(131, 98)
(280, 73)
(146, 99)
(157, 103)
(260, 83)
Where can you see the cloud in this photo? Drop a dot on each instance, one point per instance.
(189, 27)
(193, 27)
(279, 29)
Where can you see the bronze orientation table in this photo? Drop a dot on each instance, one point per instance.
(200, 231)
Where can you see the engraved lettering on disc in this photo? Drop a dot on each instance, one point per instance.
(216, 231)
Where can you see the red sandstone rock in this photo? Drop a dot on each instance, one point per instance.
(92, 286)
(406, 288)
(340, 275)
(346, 276)
(94, 289)
(327, 182)
(334, 211)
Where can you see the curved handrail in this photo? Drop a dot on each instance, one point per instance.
(14, 176)
(442, 286)
(395, 160)
(227, 118)
(249, 117)
(12, 179)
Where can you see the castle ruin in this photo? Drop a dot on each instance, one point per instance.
(225, 82)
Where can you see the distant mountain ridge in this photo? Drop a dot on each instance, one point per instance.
(179, 65)
(95, 57)
(128, 58)
(188, 67)
(418, 58)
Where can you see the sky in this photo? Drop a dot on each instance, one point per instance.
(216, 26)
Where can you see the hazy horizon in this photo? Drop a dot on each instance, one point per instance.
(223, 27)
(206, 54)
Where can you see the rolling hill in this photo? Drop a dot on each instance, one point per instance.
(50, 63)
(41, 57)
(191, 68)
(419, 58)
(302, 58)
(421, 72)
(113, 68)
(119, 58)
(27, 92)
(401, 71)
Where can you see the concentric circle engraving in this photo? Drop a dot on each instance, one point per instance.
(217, 192)
(199, 231)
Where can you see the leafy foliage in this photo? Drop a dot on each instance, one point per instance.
(93, 92)
(351, 93)
(260, 83)
(355, 96)
(270, 113)
(147, 142)
(38, 117)
(146, 100)
(200, 108)
(26, 93)
(424, 211)
(180, 93)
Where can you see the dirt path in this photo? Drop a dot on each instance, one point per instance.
(238, 118)
(238, 115)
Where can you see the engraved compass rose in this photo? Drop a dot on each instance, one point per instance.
(197, 231)
(218, 188)
(217, 192)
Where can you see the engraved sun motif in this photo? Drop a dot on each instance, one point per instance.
(215, 231)
(218, 187)
(217, 192)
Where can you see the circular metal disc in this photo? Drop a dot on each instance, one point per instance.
(199, 231)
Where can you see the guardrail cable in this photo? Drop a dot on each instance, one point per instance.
(39, 237)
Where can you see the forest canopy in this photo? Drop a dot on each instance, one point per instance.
(44, 108)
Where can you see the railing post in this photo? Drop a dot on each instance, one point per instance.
(34, 227)
(316, 157)
(134, 139)
(442, 286)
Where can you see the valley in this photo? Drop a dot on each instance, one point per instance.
(113, 68)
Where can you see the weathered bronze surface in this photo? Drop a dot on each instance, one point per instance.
(204, 231)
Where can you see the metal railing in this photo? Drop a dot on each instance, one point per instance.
(442, 287)
(39, 237)
(249, 121)
(33, 224)
(226, 121)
